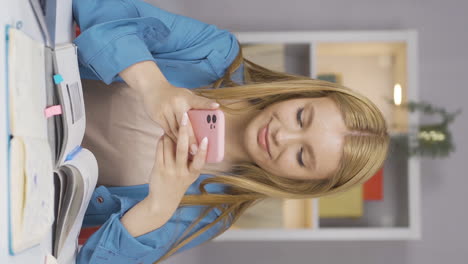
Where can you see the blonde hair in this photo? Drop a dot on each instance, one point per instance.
(364, 149)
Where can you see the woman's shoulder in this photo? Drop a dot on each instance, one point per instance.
(199, 65)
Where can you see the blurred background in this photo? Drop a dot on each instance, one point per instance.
(376, 70)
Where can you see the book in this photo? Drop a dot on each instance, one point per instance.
(31, 161)
(51, 178)
(373, 188)
(77, 179)
(77, 168)
(342, 205)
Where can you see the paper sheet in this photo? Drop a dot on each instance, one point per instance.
(84, 167)
(27, 86)
(31, 168)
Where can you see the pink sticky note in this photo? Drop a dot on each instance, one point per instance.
(53, 110)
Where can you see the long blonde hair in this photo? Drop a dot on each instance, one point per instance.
(364, 149)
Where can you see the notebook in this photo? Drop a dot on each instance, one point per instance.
(348, 204)
(51, 178)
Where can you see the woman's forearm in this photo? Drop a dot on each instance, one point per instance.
(144, 76)
(144, 217)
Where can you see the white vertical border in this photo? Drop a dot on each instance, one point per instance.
(414, 165)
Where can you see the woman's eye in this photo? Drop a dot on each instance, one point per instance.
(299, 115)
(299, 158)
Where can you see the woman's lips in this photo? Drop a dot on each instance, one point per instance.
(263, 139)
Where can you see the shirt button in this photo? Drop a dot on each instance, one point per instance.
(100, 199)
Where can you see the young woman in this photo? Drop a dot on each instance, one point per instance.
(287, 136)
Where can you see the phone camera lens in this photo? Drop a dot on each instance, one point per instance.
(208, 118)
(214, 118)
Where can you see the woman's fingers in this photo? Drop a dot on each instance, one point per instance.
(200, 158)
(160, 152)
(192, 139)
(182, 143)
(168, 152)
(167, 129)
(174, 122)
(191, 136)
(171, 127)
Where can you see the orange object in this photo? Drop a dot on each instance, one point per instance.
(373, 188)
(85, 233)
(77, 31)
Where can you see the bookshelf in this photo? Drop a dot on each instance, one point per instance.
(371, 62)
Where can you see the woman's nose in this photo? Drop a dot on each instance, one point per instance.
(283, 137)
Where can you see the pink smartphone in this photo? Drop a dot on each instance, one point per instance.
(210, 124)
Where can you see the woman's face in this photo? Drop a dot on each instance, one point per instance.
(304, 138)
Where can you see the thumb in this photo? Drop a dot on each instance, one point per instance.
(204, 103)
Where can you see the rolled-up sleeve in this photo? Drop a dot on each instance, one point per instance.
(112, 243)
(118, 33)
(110, 47)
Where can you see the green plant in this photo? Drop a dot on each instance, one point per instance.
(435, 139)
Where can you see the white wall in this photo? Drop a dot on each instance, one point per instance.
(443, 40)
(365, 75)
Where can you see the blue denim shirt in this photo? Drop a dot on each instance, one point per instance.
(112, 243)
(116, 34)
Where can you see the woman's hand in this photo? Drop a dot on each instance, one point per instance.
(164, 102)
(172, 174)
(166, 107)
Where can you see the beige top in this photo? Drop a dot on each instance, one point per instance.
(119, 133)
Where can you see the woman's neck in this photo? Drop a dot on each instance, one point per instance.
(234, 148)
